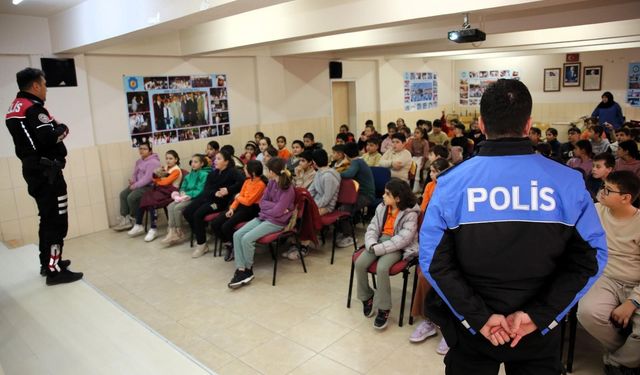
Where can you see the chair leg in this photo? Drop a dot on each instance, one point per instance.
(304, 267)
(573, 325)
(275, 261)
(335, 237)
(324, 241)
(413, 292)
(353, 234)
(191, 243)
(405, 279)
(353, 267)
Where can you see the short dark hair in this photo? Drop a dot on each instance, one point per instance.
(544, 149)
(309, 136)
(440, 165)
(229, 149)
(553, 131)
(401, 190)
(259, 134)
(441, 151)
(626, 131)
(345, 126)
(298, 142)
(437, 124)
(631, 147)
(254, 167)
(598, 129)
(342, 136)
(368, 122)
(585, 145)
(421, 122)
(306, 155)
(338, 148)
(272, 151)
(214, 145)
(627, 182)
(351, 150)
(26, 77)
(459, 126)
(536, 130)
(574, 129)
(282, 137)
(505, 108)
(146, 143)
(320, 157)
(392, 125)
(375, 140)
(609, 160)
(399, 136)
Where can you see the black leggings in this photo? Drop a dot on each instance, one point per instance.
(222, 226)
(195, 213)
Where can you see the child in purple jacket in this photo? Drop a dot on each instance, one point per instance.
(276, 208)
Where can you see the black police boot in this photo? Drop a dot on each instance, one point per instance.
(63, 277)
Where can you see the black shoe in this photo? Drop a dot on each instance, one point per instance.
(229, 255)
(241, 278)
(63, 264)
(381, 319)
(63, 277)
(367, 308)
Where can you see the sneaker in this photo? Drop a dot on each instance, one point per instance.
(63, 277)
(381, 319)
(170, 237)
(200, 250)
(442, 348)
(367, 308)
(152, 234)
(136, 230)
(124, 223)
(241, 278)
(229, 254)
(63, 264)
(422, 331)
(292, 248)
(295, 255)
(345, 242)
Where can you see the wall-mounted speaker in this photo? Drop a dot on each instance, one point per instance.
(59, 72)
(335, 69)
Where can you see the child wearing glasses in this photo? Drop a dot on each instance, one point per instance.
(610, 310)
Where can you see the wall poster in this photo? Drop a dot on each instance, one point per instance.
(169, 109)
(473, 83)
(633, 91)
(420, 91)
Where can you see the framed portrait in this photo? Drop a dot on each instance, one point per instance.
(551, 79)
(592, 78)
(571, 75)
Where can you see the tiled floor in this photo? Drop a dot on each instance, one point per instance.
(300, 326)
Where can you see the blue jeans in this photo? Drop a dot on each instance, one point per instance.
(244, 240)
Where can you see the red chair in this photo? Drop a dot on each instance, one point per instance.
(347, 195)
(281, 236)
(402, 266)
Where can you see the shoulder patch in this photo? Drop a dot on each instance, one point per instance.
(44, 118)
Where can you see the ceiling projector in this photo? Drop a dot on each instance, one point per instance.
(467, 35)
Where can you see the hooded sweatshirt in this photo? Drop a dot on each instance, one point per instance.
(143, 171)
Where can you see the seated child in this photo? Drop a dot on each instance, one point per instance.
(610, 311)
(276, 209)
(192, 185)
(426, 328)
(249, 152)
(243, 208)
(326, 183)
(263, 144)
(339, 160)
(213, 148)
(283, 151)
(582, 155)
(391, 236)
(398, 159)
(304, 171)
(342, 139)
(166, 180)
(372, 155)
(296, 149)
(603, 164)
(269, 153)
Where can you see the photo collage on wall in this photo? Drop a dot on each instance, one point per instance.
(420, 91)
(473, 83)
(170, 109)
(633, 91)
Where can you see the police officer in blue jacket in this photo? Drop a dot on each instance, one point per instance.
(510, 242)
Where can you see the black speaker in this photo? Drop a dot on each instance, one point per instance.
(59, 72)
(335, 69)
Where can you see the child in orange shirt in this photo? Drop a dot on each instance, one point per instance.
(243, 208)
(283, 152)
(166, 180)
(426, 328)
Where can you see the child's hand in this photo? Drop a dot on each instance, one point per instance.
(229, 213)
(623, 313)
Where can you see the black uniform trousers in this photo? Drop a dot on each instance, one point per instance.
(50, 193)
(222, 226)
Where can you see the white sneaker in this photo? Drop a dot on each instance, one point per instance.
(422, 331)
(200, 250)
(442, 348)
(152, 234)
(136, 230)
(345, 242)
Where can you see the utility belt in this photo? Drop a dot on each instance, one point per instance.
(51, 168)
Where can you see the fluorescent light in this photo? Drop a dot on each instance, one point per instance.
(16, 2)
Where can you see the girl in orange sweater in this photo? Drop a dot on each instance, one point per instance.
(243, 208)
(426, 328)
(166, 180)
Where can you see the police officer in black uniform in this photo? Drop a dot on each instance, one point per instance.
(38, 142)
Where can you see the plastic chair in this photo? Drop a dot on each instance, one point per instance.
(572, 319)
(381, 176)
(347, 195)
(282, 235)
(402, 266)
